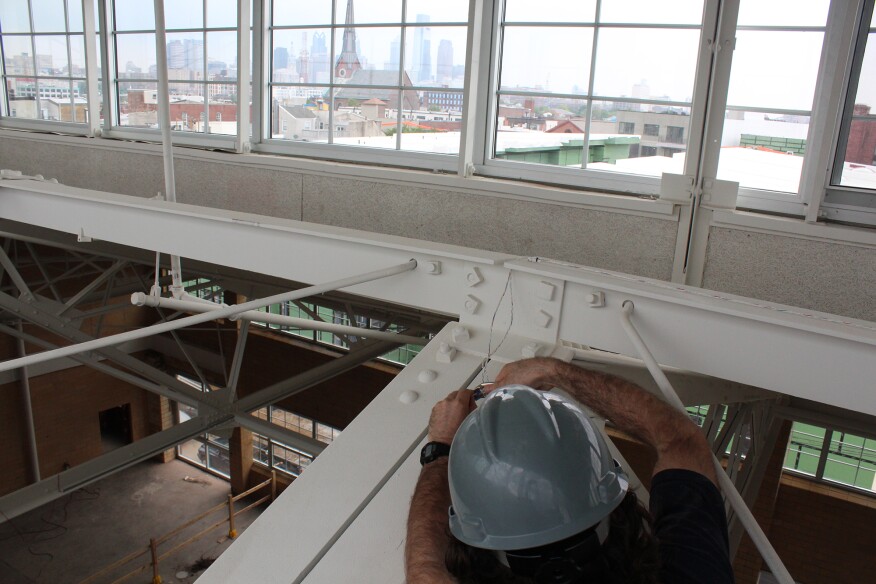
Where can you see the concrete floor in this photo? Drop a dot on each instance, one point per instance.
(75, 536)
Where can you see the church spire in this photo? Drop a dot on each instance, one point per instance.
(348, 61)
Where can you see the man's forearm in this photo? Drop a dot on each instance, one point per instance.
(678, 442)
(428, 531)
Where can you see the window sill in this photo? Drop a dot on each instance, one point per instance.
(788, 227)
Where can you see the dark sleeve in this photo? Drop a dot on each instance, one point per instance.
(691, 529)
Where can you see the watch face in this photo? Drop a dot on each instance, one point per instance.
(433, 451)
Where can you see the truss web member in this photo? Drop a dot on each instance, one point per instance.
(534, 496)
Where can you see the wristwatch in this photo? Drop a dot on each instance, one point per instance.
(433, 451)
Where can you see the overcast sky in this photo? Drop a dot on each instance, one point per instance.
(771, 69)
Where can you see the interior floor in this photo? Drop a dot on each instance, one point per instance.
(77, 535)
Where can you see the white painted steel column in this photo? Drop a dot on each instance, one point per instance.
(141, 299)
(28, 415)
(744, 514)
(166, 138)
(200, 318)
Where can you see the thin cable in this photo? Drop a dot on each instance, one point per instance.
(509, 288)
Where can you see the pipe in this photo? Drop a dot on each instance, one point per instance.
(744, 514)
(141, 299)
(166, 138)
(28, 415)
(201, 318)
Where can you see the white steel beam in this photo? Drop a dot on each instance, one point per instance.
(761, 344)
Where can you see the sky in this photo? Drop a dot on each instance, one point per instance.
(771, 69)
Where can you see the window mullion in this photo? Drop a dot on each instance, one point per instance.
(91, 75)
(107, 51)
(475, 116)
(825, 452)
(261, 92)
(246, 94)
(831, 90)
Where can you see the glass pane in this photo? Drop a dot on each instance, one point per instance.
(433, 56)
(77, 54)
(74, 16)
(18, 55)
(300, 113)
(438, 124)
(187, 113)
(552, 59)
(804, 448)
(191, 451)
(222, 14)
(641, 139)
(219, 459)
(51, 52)
(188, 14)
(446, 11)
(48, 16)
(550, 11)
(305, 54)
(185, 56)
(646, 74)
(261, 450)
(134, 15)
(650, 12)
(851, 460)
(222, 56)
(860, 148)
(138, 104)
(22, 103)
(368, 12)
(765, 77)
(763, 151)
(295, 13)
(783, 12)
(222, 110)
(361, 54)
(534, 129)
(136, 56)
(14, 16)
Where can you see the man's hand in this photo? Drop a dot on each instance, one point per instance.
(448, 414)
(539, 373)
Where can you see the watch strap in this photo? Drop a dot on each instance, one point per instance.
(433, 451)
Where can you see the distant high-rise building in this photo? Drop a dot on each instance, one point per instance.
(422, 66)
(281, 58)
(445, 61)
(319, 59)
(394, 54)
(176, 55)
(348, 61)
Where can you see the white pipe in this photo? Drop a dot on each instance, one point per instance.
(736, 502)
(200, 318)
(166, 138)
(202, 305)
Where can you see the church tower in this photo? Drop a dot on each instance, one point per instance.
(348, 61)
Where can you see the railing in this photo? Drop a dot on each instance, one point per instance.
(152, 548)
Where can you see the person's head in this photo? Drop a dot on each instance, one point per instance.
(534, 487)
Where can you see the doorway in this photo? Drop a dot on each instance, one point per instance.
(115, 427)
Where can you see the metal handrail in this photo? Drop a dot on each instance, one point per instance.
(156, 541)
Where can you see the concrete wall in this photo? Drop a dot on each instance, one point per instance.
(623, 242)
(818, 275)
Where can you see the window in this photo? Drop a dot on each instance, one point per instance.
(652, 130)
(675, 134)
(573, 66)
(832, 455)
(44, 60)
(201, 62)
(283, 457)
(363, 74)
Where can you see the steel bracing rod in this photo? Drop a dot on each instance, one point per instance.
(93, 285)
(14, 275)
(201, 318)
(141, 299)
(168, 386)
(744, 514)
(42, 269)
(92, 362)
(287, 437)
(311, 377)
(49, 489)
(28, 414)
(237, 360)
